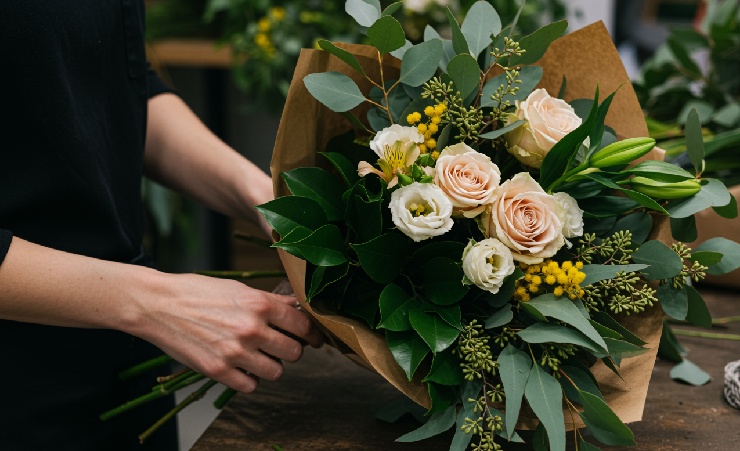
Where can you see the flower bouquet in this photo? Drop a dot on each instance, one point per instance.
(496, 253)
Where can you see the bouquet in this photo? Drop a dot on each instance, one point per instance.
(497, 253)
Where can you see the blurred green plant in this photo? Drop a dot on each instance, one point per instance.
(697, 69)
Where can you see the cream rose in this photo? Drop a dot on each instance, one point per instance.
(487, 264)
(526, 219)
(421, 211)
(467, 177)
(572, 216)
(548, 120)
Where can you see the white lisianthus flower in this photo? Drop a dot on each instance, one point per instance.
(398, 148)
(572, 215)
(526, 219)
(421, 211)
(487, 264)
(548, 120)
(469, 178)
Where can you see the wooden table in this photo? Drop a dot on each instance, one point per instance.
(326, 402)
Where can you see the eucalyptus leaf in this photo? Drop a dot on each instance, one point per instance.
(437, 424)
(500, 317)
(545, 397)
(408, 350)
(596, 273)
(669, 347)
(577, 380)
(695, 141)
(400, 52)
(537, 43)
(335, 90)
(459, 43)
(555, 333)
(465, 74)
(342, 54)
(382, 257)
(663, 262)
(364, 13)
(420, 62)
(530, 76)
(607, 320)
(688, 372)
(675, 301)
(684, 229)
(480, 24)
(660, 171)
(603, 423)
(501, 131)
(514, 370)
(640, 224)
(730, 251)
(563, 309)
(386, 35)
(697, 314)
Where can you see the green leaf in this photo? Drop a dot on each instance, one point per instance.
(640, 198)
(347, 170)
(363, 12)
(437, 424)
(555, 333)
(443, 281)
(335, 90)
(576, 381)
(398, 408)
(539, 438)
(323, 247)
(683, 57)
(464, 72)
(500, 131)
(363, 216)
(442, 396)
(640, 224)
(500, 317)
(382, 257)
(730, 251)
(583, 445)
(537, 43)
(319, 185)
(728, 211)
(505, 292)
(394, 308)
(437, 334)
(342, 54)
(603, 423)
(684, 229)
(698, 314)
(445, 369)
(451, 314)
(288, 212)
(514, 369)
(663, 262)
(323, 276)
(481, 22)
(669, 347)
(460, 440)
(448, 249)
(564, 310)
(688, 372)
(399, 53)
(597, 273)
(619, 349)
(459, 43)
(408, 350)
(392, 8)
(660, 171)
(420, 62)
(706, 258)
(695, 141)
(675, 302)
(605, 319)
(386, 35)
(545, 397)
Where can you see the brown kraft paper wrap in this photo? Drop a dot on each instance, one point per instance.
(587, 58)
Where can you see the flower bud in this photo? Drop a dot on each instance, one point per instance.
(665, 190)
(622, 152)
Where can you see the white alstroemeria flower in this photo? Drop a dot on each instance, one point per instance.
(397, 147)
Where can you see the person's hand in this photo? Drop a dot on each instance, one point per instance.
(226, 330)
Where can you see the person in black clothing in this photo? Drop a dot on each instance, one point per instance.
(82, 119)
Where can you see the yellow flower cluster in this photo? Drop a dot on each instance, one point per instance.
(564, 280)
(264, 26)
(428, 128)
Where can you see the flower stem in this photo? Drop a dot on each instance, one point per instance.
(253, 239)
(223, 398)
(191, 398)
(243, 274)
(144, 367)
(726, 320)
(692, 333)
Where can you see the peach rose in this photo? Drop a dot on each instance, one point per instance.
(467, 177)
(526, 219)
(548, 118)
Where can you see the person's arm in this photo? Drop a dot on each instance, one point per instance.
(183, 154)
(217, 327)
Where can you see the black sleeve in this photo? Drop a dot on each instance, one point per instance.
(155, 85)
(6, 236)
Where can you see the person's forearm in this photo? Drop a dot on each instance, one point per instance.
(183, 154)
(47, 286)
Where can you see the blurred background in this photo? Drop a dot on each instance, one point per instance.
(232, 61)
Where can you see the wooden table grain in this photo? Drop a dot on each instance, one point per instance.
(326, 402)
